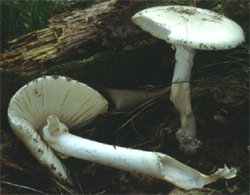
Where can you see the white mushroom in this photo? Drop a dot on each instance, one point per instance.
(66, 103)
(188, 28)
(74, 103)
(153, 164)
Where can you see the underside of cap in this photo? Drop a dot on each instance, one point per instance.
(190, 26)
(74, 103)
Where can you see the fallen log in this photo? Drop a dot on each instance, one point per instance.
(76, 34)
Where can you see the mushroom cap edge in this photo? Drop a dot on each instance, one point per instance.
(190, 26)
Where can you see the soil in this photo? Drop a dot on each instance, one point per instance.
(223, 130)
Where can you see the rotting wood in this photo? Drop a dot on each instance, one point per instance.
(75, 34)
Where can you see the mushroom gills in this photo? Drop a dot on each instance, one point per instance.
(73, 102)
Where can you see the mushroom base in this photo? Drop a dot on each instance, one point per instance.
(186, 135)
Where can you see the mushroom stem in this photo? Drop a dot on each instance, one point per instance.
(180, 96)
(153, 164)
(125, 99)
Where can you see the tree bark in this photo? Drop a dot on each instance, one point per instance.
(75, 35)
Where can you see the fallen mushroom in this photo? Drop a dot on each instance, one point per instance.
(72, 102)
(59, 98)
(188, 28)
(153, 164)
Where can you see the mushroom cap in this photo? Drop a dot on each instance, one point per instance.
(74, 103)
(190, 26)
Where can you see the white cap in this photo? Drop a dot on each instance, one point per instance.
(74, 103)
(190, 26)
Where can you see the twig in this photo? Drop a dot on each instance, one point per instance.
(21, 186)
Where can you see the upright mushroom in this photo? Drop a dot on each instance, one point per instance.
(66, 103)
(188, 28)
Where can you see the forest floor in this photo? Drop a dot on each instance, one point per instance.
(223, 127)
